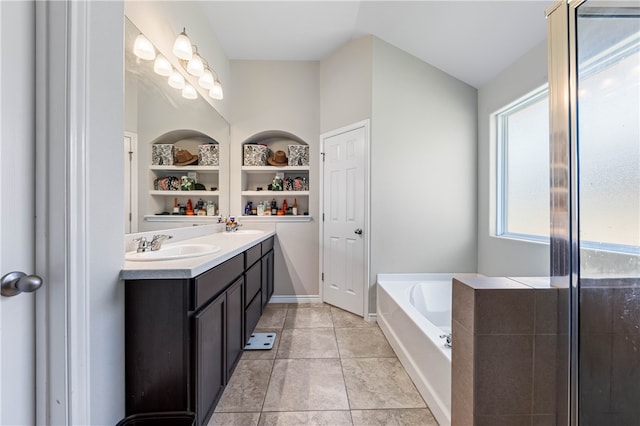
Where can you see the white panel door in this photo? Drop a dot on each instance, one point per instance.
(344, 208)
(17, 210)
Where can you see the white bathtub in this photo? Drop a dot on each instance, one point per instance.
(413, 311)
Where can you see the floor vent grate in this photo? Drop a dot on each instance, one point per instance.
(260, 342)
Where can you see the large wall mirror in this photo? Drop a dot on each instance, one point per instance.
(156, 113)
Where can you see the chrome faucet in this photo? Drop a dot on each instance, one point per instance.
(232, 226)
(156, 242)
(153, 245)
(448, 340)
(143, 244)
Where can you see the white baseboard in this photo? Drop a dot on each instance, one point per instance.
(295, 299)
(372, 318)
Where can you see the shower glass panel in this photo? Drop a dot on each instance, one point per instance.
(608, 162)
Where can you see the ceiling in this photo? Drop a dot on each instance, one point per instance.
(470, 40)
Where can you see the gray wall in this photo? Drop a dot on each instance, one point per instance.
(345, 85)
(502, 256)
(105, 228)
(423, 167)
(283, 96)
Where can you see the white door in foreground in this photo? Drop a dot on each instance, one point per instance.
(17, 211)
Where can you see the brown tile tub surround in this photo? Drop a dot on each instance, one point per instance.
(503, 355)
(610, 351)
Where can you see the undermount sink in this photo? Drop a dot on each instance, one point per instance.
(245, 232)
(180, 251)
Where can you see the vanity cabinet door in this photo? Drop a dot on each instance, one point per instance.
(209, 372)
(157, 346)
(253, 282)
(267, 277)
(252, 315)
(235, 325)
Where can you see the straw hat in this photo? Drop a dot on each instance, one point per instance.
(278, 159)
(184, 157)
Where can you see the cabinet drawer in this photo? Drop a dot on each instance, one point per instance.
(252, 316)
(267, 245)
(253, 282)
(217, 279)
(253, 255)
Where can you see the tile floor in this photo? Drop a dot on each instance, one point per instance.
(327, 367)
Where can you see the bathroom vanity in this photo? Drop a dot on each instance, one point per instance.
(186, 323)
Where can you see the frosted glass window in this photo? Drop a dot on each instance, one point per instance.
(523, 168)
(609, 142)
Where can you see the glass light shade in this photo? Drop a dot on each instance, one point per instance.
(176, 80)
(182, 46)
(216, 91)
(189, 92)
(206, 79)
(195, 65)
(162, 66)
(143, 48)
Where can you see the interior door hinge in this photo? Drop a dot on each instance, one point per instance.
(322, 153)
(323, 276)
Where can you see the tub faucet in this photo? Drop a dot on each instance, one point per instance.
(447, 337)
(156, 242)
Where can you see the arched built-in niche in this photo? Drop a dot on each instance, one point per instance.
(164, 176)
(262, 161)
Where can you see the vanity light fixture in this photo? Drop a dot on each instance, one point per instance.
(176, 80)
(195, 66)
(161, 66)
(206, 80)
(216, 90)
(182, 46)
(189, 92)
(143, 48)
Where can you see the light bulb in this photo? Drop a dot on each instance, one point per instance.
(182, 46)
(176, 80)
(195, 65)
(161, 66)
(143, 48)
(189, 92)
(216, 90)
(206, 79)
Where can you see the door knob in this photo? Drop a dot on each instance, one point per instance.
(18, 282)
(358, 231)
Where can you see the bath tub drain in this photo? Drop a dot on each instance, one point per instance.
(260, 342)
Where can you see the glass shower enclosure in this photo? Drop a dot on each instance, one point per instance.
(594, 79)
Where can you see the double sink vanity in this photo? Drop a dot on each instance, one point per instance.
(190, 308)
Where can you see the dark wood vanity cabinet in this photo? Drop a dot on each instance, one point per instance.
(184, 337)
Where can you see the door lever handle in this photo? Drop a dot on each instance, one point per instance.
(358, 231)
(16, 282)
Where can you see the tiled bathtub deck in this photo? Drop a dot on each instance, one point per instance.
(327, 367)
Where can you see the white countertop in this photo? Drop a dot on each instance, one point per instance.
(230, 246)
